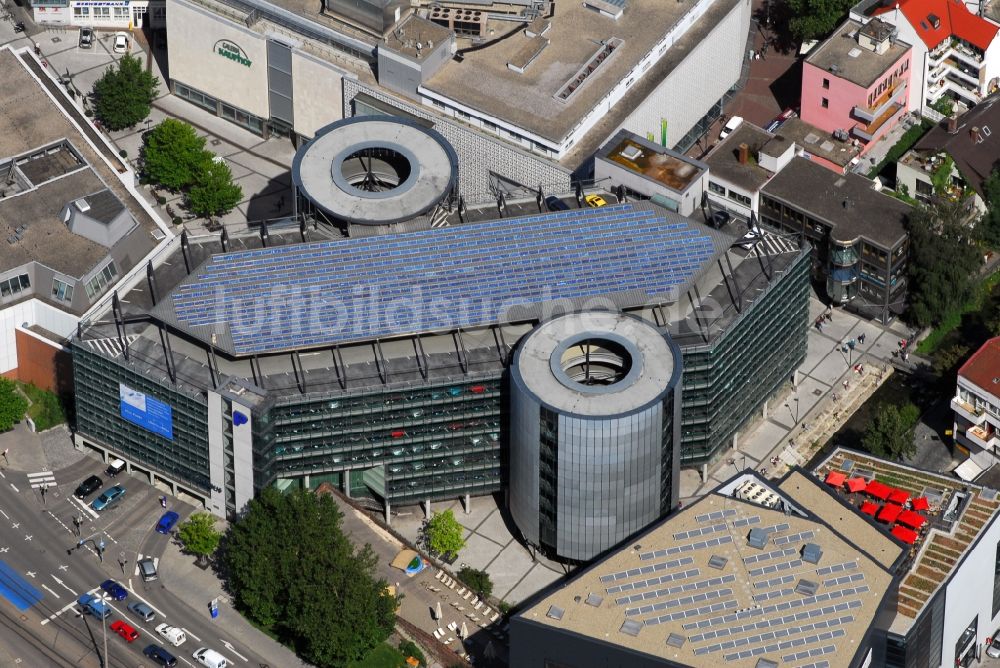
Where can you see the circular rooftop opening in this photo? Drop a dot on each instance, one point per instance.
(596, 362)
(375, 169)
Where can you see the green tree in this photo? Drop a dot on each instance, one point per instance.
(292, 570)
(948, 358)
(815, 19)
(890, 432)
(478, 581)
(124, 94)
(943, 262)
(989, 226)
(199, 535)
(941, 177)
(173, 154)
(444, 533)
(214, 192)
(12, 404)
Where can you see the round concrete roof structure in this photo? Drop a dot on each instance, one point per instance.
(596, 364)
(375, 170)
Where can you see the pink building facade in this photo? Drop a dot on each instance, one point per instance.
(855, 87)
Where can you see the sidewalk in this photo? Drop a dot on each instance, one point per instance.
(191, 584)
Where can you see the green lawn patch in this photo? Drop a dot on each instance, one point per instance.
(383, 656)
(45, 409)
(905, 143)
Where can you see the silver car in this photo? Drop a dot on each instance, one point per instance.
(142, 611)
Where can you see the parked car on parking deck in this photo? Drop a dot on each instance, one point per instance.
(167, 522)
(109, 497)
(121, 43)
(87, 487)
(86, 38)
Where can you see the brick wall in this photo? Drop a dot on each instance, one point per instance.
(43, 364)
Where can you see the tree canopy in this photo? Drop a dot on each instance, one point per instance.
(478, 581)
(444, 533)
(124, 93)
(943, 262)
(815, 19)
(890, 432)
(214, 192)
(12, 404)
(199, 535)
(173, 154)
(293, 571)
(989, 226)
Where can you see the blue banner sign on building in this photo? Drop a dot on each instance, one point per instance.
(145, 411)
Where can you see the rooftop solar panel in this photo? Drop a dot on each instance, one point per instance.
(317, 294)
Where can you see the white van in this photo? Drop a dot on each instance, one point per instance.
(115, 466)
(172, 634)
(730, 126)
(210, 658)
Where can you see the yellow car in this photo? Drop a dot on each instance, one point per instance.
(595, 200)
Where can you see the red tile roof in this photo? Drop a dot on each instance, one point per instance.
(955, 21)
(983, 368)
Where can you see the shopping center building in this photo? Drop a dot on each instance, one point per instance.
(387, 368)
(550, 88)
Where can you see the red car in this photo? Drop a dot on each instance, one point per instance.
(124, 630)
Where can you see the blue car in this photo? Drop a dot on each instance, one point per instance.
(115, 590)
(109, 497)
(160, 655)
(93, 605)
(167, 522)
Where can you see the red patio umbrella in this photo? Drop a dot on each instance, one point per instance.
(921, 503)
(835, 478)
(869, 508)
(856, 484)
(878, 490)
(911, 519)
(889, 513)
(899, 496)
(908, 536)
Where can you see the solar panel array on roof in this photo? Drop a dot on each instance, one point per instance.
(686, 548)
(693, 612)
(777, 593)
(818, 664)
(836, 568)
(806, 654)
(717, 515)
(677, 602)
(773, 582)
(775, 528)
(794, 538)
(783, 623)
(632, 572)
(787, 644)
(308, 295)
(704, 531)
(754, 558)
(746, 521)
(690, 586)
(844, 579)
(774, 568)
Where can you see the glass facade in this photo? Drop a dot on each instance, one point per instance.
(727, 381)
(921, 647)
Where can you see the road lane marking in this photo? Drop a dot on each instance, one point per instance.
(41, 479)
(232, 649)
(46, 588)
(62, 567)
(31, 574)
(85, 507)
(58, 612)
(63, 584)
(191, 634)
(6, 516)
(12, 486)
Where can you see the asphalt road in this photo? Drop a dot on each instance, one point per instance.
(38, 542)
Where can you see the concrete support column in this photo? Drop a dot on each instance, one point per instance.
(173, 489)
(736, 442)
(427, 509)
(763, 411)
(345, 484)
(152, 477)
(467, 502)
(387, 508)
(704, 472)
(305, 481)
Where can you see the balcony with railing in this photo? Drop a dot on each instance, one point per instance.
(953, 48)
(965, 71)
(984, 437)
(895, 94)
(968, 411)
(868, 131)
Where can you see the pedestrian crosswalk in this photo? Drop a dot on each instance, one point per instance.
(772, 244)
(42, 479)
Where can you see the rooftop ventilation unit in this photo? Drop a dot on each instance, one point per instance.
(631, 152)
(555, 613)
(81, 205)
(757, 538)
(718, 562)
(676, 640)
(631, 627)
(806, 587)
(594, 600)
(811, 553)
(767, 663)
(610, 8)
